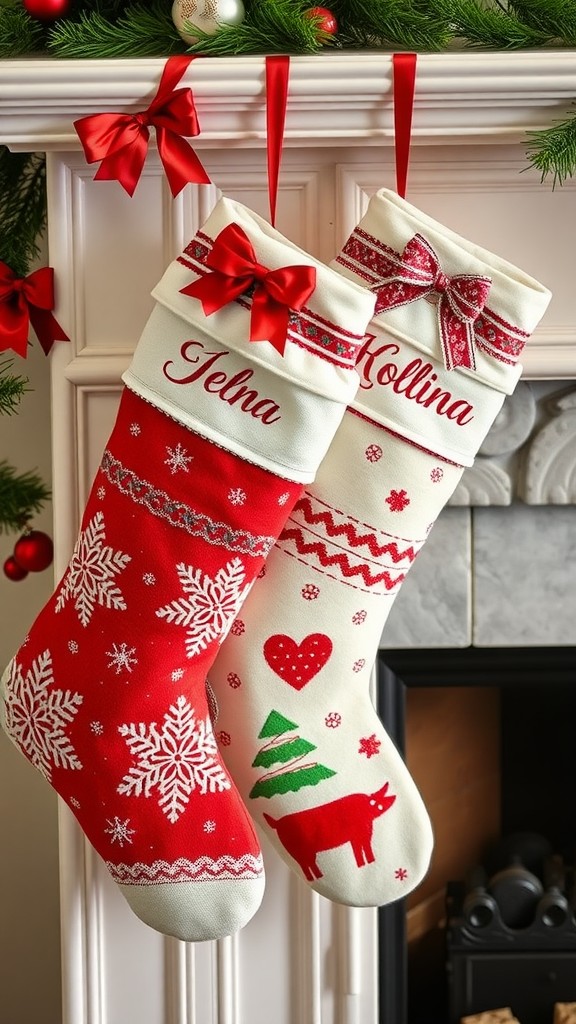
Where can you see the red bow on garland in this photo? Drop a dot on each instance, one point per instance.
(235, 269)
(461, 298)
(25, 301)
(120, 141)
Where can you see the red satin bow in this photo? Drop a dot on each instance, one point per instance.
(461, 298)
(235, 269)
(25, 301)
(120, 141)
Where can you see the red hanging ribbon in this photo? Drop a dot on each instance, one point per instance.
(277, 77)
(417, 274)
(25, 301)
(120, 141)
(404, 78)
(235, 269)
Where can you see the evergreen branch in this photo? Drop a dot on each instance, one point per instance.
(140, 31)
(491, 27)
(11, 388)
(21, 495)
(557, 18)
(553, 150)
(20, 35)
(404, 24)
(270, 26)
(22, 208)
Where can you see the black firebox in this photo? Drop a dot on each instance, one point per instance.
(510, 935)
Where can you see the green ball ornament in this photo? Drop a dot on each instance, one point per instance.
(207, 15)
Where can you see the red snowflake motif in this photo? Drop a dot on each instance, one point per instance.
(373, 453)
(359, 665)
(436, 474)
(237, 627)
(233, 680)
(359, 617)
(310, 592)
(223, 738)
(401, 874)
(261, 573)
(369, 745)
(333, 720)
(398, 500)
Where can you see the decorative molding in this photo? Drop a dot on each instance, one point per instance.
(228, 979)
(550, 460)
(513, 423)
(484, 483)
(333, 96)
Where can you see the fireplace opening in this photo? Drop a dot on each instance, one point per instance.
(489, 737)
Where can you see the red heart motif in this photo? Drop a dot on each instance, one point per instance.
(296, 663)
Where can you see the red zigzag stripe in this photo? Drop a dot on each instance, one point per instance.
(341, 561)
(355, 539)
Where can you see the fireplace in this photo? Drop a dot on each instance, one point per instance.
(488, 737)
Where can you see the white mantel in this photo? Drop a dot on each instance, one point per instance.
(301, 960)
(333, 96)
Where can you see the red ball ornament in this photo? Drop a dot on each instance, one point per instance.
(14, 571)
(46, 10)
(34, 551)
(327, 24)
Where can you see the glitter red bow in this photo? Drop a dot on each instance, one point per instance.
(235, 269)
(25, 301)
(461, 298)
(120, 141)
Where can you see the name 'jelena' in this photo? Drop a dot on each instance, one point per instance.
(230, 389)
(415, 381)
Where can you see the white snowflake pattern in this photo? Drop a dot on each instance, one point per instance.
(209, 826)
(177, 458)
(177, 674)
(37, 716)
(149, 579)
(176, 759)
(283, 498)
(73, 647)
(122, 657)
(236, 496)
(101, 493)
(97, 728)
(211, 605)
(75, 803)
(119, 831)
(89, 579)
(135, 429)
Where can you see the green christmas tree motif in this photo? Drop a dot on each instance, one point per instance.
(289, 751)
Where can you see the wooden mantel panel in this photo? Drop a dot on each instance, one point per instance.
(333, 96)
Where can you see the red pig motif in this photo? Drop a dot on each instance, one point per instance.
(350, 819)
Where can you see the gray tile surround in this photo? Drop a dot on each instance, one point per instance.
(433, 606)
(524, 578)
(499, 567)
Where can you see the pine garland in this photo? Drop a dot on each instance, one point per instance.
(140, 31)
(20, 35)
(12, 388)
(21, 496)
(270, 26)
(22, 220)
(492, 27)
(22, 208)
(552, 151)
